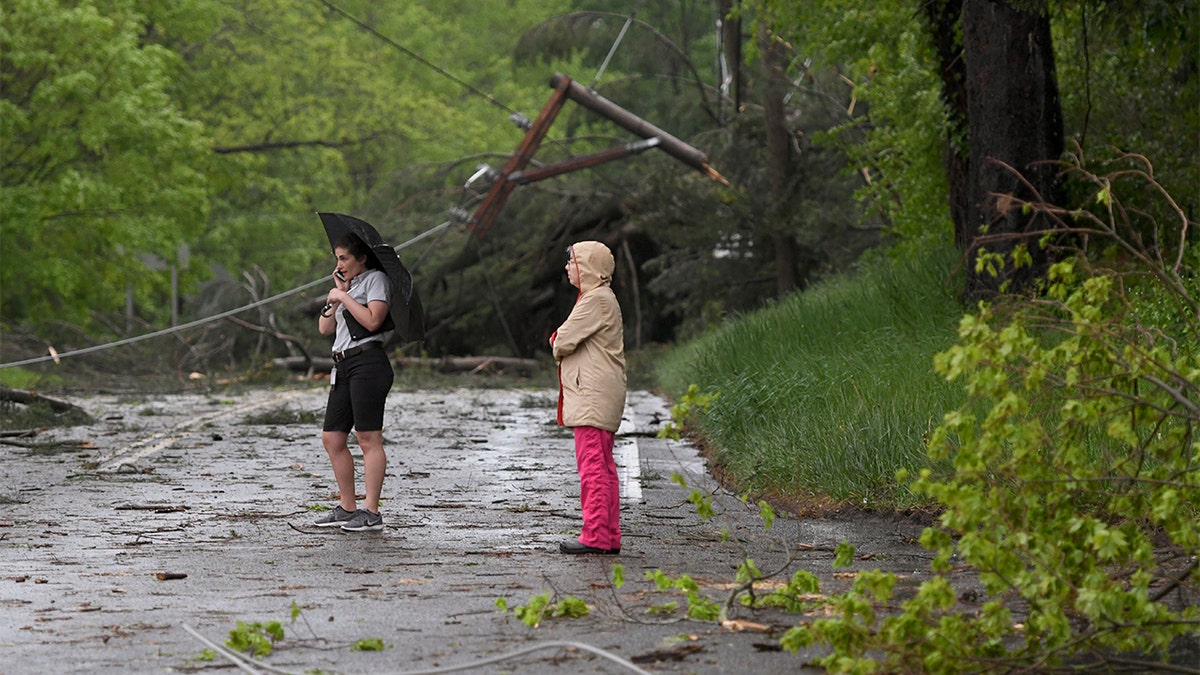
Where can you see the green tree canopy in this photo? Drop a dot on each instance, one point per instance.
(99, 164)
(138, 127)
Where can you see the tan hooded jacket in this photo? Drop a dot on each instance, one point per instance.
(590, 346)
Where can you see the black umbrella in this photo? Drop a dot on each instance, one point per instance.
(405, 307)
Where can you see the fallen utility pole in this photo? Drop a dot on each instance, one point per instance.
(515, 173)
(605, 108)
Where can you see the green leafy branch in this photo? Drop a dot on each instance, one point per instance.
(684, 410)
(702, 501)
(540, 607)
(258, 638)
(802, 584)
(1073, 489)
(699, 607)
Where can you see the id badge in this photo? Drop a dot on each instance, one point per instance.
(333, 376)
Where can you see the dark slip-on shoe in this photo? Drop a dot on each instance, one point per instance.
(576, 547)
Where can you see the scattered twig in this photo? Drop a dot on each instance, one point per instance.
(625, 613)
(677, 654)
(748, 585)
(157, 508)
(1174, 583)
(19, 433)
(277, 335)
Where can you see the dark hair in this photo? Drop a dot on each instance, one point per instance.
(357, 248)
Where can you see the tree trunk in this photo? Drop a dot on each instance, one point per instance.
(1015, 120)
(945, 20)
(779, 160)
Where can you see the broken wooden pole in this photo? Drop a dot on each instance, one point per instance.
(490, 207)
(582, 162)
(669, 144)
(515, 173)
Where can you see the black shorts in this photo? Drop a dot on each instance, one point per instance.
(359, 392)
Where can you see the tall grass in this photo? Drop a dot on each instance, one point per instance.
(828, 393)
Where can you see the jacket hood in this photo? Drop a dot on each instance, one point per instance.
(595, 263)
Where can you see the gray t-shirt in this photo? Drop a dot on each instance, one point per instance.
(368, 286)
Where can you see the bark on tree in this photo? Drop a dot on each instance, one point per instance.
(945, 18)
(779, 159)
(1015, 119)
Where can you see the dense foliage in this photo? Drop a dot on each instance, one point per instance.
(100, 165)
(209, 134)
(270, 111)
(1075, 492)
(197, 135)
(143, 138)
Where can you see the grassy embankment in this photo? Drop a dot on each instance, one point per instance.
(823, 396)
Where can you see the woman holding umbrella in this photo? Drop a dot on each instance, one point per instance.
(356, 314)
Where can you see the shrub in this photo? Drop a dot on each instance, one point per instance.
(1075, 489)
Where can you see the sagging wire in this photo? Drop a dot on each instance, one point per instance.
(159, 333)
(237, 660)
(460, 214)
(457, 213)
(616, 43)
(519, 119)
(491, 286)
(56, 356)
(417, 57)
(441, 230)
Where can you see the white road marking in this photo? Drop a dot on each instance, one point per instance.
(628, 459)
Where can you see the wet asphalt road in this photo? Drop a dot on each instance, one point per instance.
(183, 512)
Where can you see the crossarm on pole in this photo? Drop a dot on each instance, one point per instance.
(515, 173)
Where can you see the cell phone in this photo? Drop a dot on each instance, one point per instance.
(326, 308)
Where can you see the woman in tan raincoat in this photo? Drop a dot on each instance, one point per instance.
(590, 350)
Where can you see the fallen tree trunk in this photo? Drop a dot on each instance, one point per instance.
(473, 364)
(29, 397)
(303, 364)
(449, 364)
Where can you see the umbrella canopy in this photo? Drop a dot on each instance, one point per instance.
(405, 307)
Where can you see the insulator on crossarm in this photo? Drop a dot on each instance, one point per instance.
(460, 215)
(483, 171)
(522, 122)
(643, 145)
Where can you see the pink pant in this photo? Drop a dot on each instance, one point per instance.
(599, 489)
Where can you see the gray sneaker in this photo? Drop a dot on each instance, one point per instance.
(362, 521)
(337, 516)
